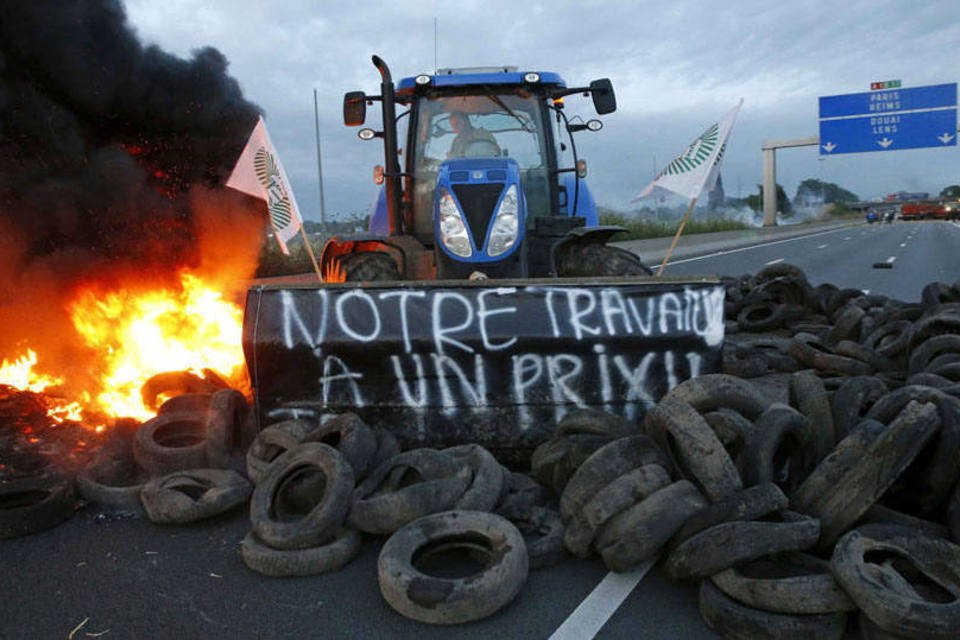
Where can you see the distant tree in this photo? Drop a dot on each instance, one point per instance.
(953, 191)
(755, 202)
(813, 190)
(716, 196)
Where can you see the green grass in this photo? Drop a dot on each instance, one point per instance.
(639, 229)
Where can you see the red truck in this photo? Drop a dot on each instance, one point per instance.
(925, 211)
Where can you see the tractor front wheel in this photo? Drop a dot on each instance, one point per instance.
(582, 260)
(369, 266)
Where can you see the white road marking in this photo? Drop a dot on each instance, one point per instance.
(754, 246)
(891, 259)
(590, 616)
(847, 238)
(775, 261)
(823, 246)
(903, 244)
(866, 291)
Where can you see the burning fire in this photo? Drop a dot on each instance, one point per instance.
(134, 335)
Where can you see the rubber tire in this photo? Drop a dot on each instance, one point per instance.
(186, 403)
(887, 604)
(592, 259)
(605, 465)
(882, 463)
(436, 600)
(112, 482)
(724, 545)
(792, 583)
(381, 506)
(273, 442)
(556, 460)
(732, 429)
(220, 490)
(618, 496)
(638, 533)
(809, 396)
(175, 383)
(853, 400)
(31, 505)
(349, 435)
(780, 431)
(159, 458)
(596, 422)
(369, 266)
(718, 391)
(229, 432)
(522, 494)
(808, 350)
(735, 621)
(693, 447)
(328, 512)
(752, 503)
(543, 533)
(486, 485)
(331, 556)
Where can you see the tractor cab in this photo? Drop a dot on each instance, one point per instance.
(482, 189)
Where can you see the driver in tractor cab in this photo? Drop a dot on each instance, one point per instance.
(471, 142)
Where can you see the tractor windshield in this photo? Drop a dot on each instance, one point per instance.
(499, 123)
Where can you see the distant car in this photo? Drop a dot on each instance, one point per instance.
(889, 216)
(872, 216)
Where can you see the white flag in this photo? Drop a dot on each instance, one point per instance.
(698, 166)
(259, 173)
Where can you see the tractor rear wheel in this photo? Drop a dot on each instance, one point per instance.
(579, 260)
(369, 266)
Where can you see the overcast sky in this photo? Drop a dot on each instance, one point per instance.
(676, 66)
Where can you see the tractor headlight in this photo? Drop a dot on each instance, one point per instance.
(506, 224)
(453, 232)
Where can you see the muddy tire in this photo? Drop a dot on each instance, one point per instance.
(324, 558)
(522, 494)
(810, 351)
(555, 461)
(720, 547)
(543, 533)
(780, 449)
(616, 497)
(752, 503)
(273, 442)
(349, 435)
(718, 391)
(732, 429)
(387, 447)
(596, 422)
(693, 447)
(793, 583)
(591, 259)
(440, 600)
(903, 581)
(487, 480)
(31, 505)
(197, 494)
(229, 433)
(638, 533)
(890, 340)
(853, 400)
(171, 442)
(412, 485)
(736, 621)
(883, 461)
(809, 396)
(303, 498)
(175, 383)
(369, 266)
(605, 465)
(112, 482)
(187, 403)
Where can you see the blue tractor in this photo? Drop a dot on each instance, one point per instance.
(482, 192)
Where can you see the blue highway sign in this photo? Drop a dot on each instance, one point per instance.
(889, 119)
(889, 100)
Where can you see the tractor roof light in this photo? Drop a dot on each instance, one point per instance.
(422, 80)
(366, 134)
(594, 125)
(531, 77)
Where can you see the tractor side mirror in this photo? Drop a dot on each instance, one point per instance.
(355, 108)
(604, 99)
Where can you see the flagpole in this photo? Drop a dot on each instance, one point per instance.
(676, 237)
(313, 258)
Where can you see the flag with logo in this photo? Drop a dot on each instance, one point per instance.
(259, 173)
(698, 166)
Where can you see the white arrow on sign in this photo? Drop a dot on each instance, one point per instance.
(945, 138)
(829, 147)
(886, 142)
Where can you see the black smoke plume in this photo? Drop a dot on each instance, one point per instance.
(103, 139)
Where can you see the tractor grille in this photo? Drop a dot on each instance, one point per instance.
(478, 201)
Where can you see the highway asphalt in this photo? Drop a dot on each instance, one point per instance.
(128, 578)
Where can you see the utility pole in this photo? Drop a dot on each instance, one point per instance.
(316, 122)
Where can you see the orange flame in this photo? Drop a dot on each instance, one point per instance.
(140, 334)
(333, 272)
(20, 374)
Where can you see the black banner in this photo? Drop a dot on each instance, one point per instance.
(494, 363)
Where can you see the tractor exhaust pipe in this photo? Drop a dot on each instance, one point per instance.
(392, 165)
